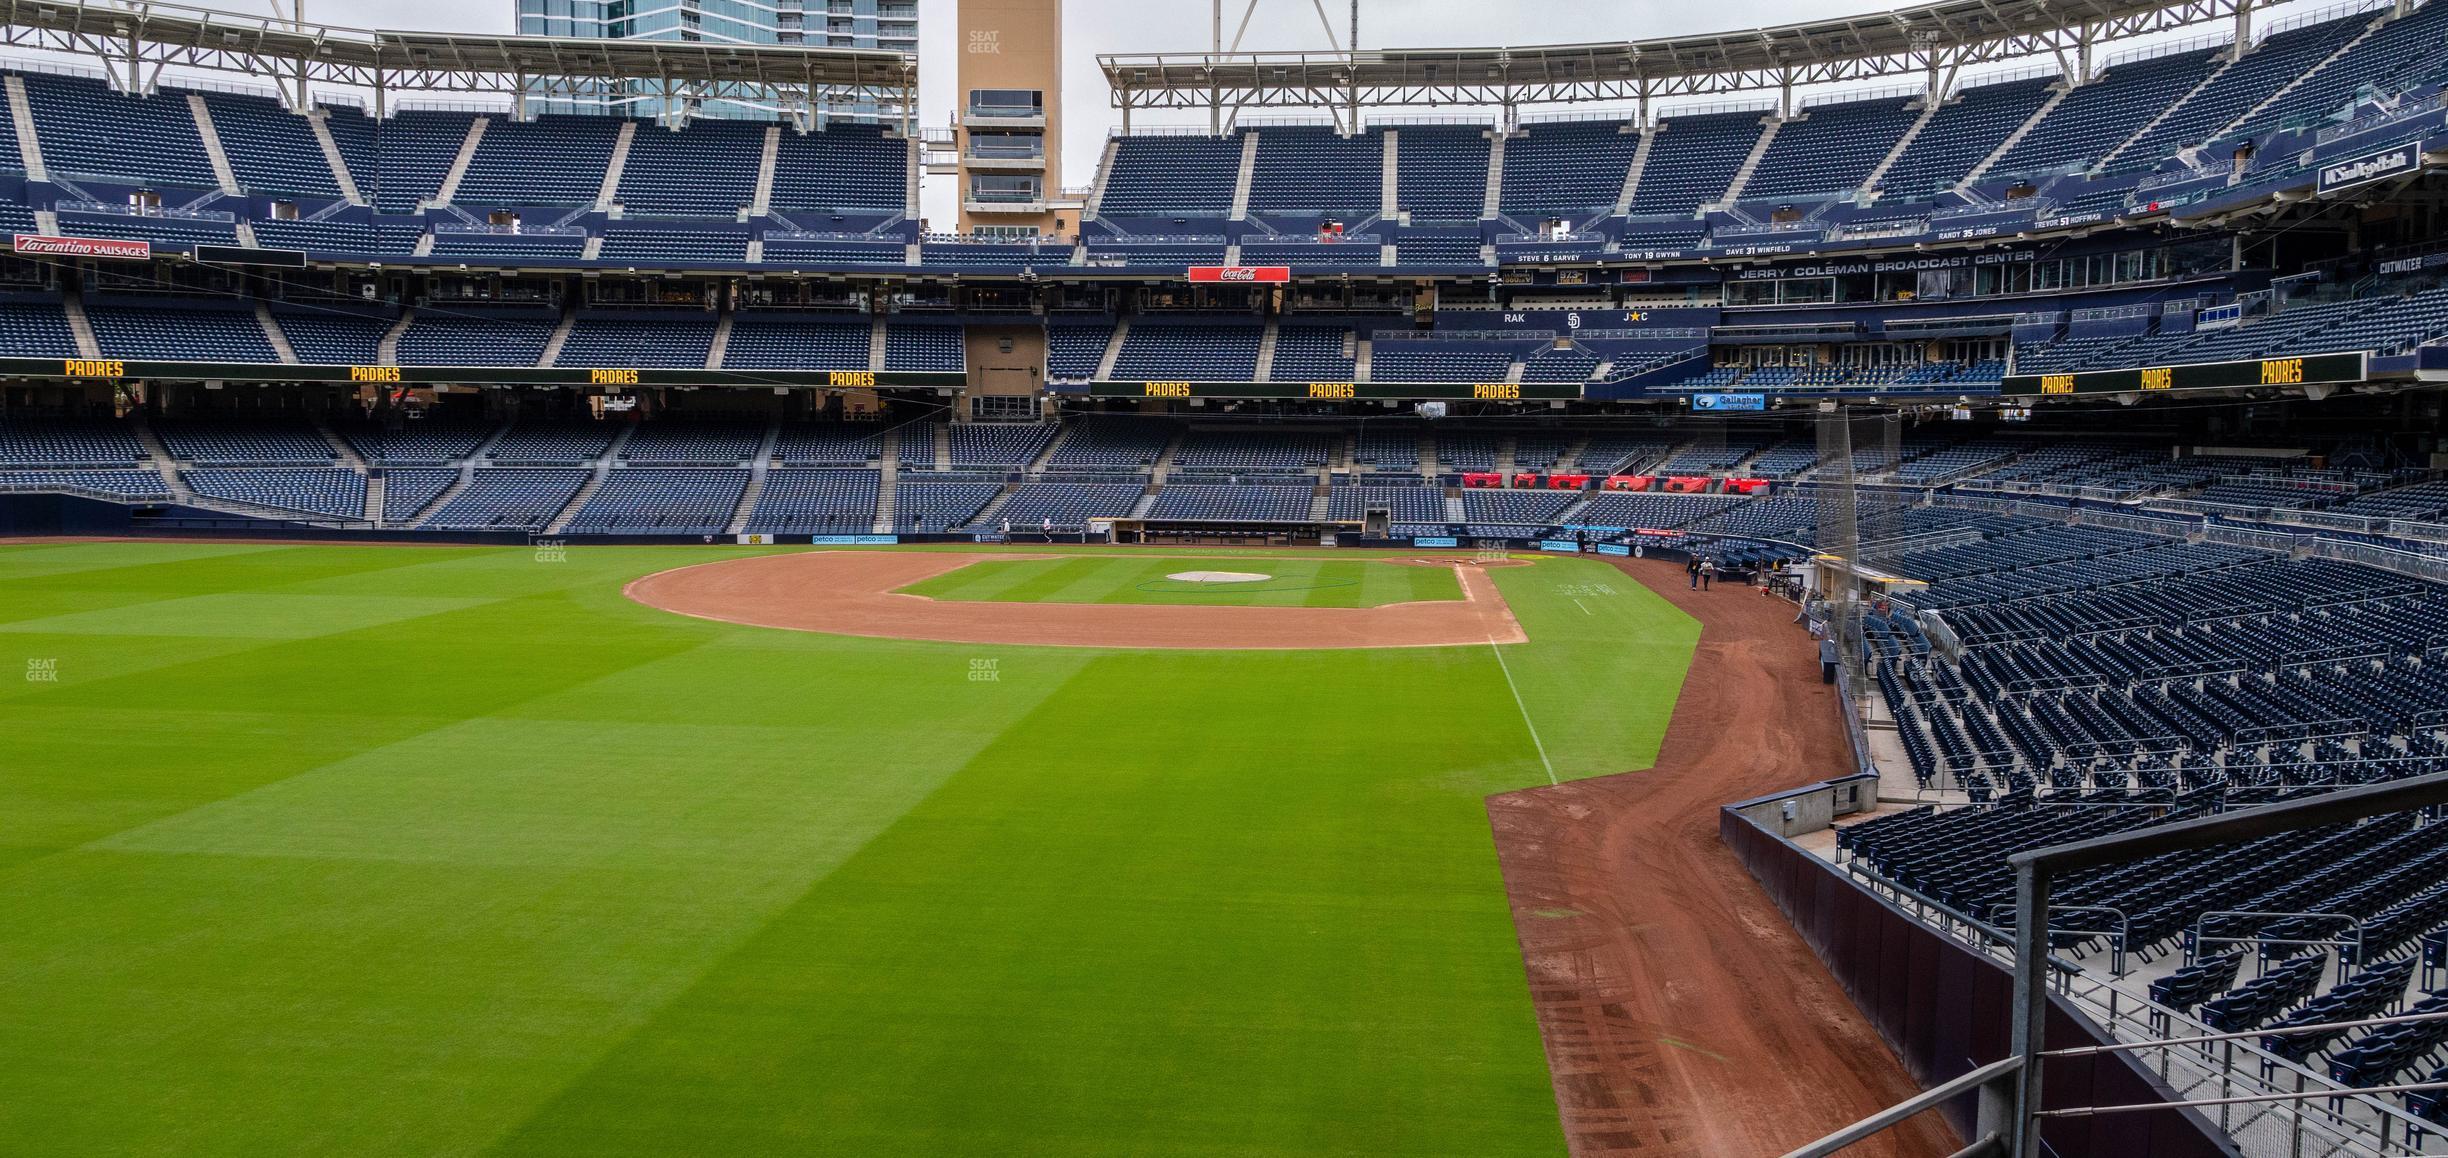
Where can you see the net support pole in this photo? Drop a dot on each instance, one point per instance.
(2030, 1008)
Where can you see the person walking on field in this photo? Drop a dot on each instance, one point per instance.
(1691, 571)
(1708, 571)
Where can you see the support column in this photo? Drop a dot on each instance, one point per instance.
(1215, 48)
(2030, 1005)
(305, 99)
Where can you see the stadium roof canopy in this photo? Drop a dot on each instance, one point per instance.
(137, 38)
(1930, 41)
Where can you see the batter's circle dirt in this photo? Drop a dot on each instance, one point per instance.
(1682, 1013)
(856, 593)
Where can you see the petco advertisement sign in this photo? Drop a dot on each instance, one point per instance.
(1241, 273)
(2365, 170)
(39, 245)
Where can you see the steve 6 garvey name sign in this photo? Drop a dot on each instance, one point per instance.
(1241, 273)
(44, 245)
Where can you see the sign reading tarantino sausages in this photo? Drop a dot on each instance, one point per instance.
(43, 245)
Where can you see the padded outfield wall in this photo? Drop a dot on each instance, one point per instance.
(1943, 1007)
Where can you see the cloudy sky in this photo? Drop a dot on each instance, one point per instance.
(1097, 26)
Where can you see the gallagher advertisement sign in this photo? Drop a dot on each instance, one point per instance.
(1240, 273)
(43, 245)
(2339, 175)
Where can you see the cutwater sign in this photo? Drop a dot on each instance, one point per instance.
(2364, 170)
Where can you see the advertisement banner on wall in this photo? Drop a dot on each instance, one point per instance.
(102, 248)
(1240, 274)
(2338, 176)
(1715, 402)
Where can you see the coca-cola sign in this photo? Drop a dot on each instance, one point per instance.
(107, 249)
(1241, 273)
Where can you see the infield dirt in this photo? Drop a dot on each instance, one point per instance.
(1681, 1012)
(857, 593)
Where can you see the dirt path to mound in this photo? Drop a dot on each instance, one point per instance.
(853, 593)
(1682, 1014)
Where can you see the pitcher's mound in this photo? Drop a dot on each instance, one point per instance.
(1219, 577)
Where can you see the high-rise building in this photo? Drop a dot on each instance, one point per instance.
(1009, 112)
(890, 25)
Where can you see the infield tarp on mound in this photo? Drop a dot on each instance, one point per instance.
(856, 593)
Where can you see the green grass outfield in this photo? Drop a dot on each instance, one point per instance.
(1136, 578)
(382, 851)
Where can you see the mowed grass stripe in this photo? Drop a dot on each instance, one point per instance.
(1224, 921)
(523, 894)
(1134, 578)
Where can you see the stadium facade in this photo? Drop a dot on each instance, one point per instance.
(2108, 445)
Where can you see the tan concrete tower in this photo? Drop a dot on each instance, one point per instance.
(1009, 111)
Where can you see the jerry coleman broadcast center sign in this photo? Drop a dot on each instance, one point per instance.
(2307, 370)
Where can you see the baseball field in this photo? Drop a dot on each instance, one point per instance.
(425, 850)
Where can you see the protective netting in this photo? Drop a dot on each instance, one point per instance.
(1859, 508)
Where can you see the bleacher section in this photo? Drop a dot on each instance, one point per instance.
(1316, 172)
(708, 170)
(90, 132)
(665, 501)
(1171, 175)
(2093, 118)
(180, 331)
(1567, 167)
(1960, 133)
(1830, 149)
(1441, 172)
(816, 502)
(323, 492)
(1692, 161)
(1223, 352)
(511, 500)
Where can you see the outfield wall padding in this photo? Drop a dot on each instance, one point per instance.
(1943, 1007)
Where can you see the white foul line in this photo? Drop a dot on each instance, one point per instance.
(1584, 610)
(1507, 669)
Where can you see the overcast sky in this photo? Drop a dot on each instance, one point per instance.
(1098, 26)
